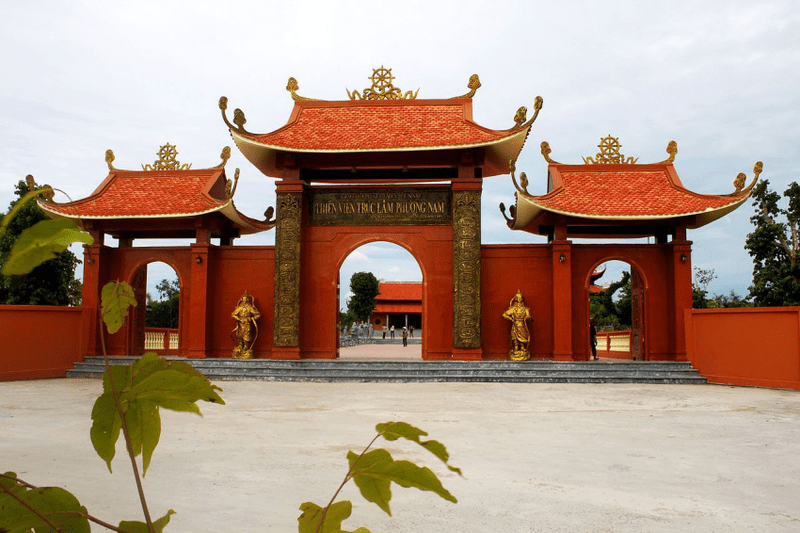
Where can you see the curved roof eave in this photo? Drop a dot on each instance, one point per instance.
(527, 210)
(499, 151)
(227, 209)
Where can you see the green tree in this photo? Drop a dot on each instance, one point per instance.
(164, 312)
(609, 314)
(51, 283)
(702, 278)
(365, 287)
(773, 245)
(730, 300)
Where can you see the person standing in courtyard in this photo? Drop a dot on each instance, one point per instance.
(391, 332)
(405, 336)
(411, 330)
(593, 337)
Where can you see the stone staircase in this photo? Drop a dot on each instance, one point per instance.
(421, 371)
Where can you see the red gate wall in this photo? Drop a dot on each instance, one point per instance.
(757, 346)
(40, 341)
(325, 248)
(559, 302)
(210, 289)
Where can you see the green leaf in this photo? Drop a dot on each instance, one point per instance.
(375, 488)
(41, 242)
(150, 421)
(308, 521)
(407, 474)
(106, 425)
(121, 375)
(143, 387)
(375, 470)
(141, 527)
(394, 430)
(55, 504)
(116, 298)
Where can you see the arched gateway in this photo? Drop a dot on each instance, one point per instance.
(385, 165)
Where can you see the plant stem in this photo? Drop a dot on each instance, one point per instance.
(347, 478)
(128, 444)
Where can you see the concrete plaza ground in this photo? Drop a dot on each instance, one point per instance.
(621, 458)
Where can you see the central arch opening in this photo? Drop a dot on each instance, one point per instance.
(398, 312)
(616, 311)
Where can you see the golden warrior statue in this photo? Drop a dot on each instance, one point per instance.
(519, 315)
(246, 331)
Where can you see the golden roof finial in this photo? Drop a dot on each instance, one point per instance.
(520, 120)
(672, 150)
(473, 86)
(523, 179)
(110, 160)
(609, 153)
(382, 88)
(230, 185)
(238, 116)
(167, 160)
(225, 155)
(292, 87)
(741, 178)
(520, 117)
(545, 146)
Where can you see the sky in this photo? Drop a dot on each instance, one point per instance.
(720, 78)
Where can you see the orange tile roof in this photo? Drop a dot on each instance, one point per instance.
(129, 194)
(610, 192)
(157, 194)
(381, 309)
(380, 125)
(400, 292)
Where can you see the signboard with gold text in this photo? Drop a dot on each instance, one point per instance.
(379, 206)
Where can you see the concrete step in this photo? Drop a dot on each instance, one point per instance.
(538, 371)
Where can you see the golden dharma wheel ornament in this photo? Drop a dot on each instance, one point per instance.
(245, 333)
(382, 88)
(609, 153)
(519, 315)
(167, 160)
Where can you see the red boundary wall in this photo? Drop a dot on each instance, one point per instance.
(757, 346)
(39, 341)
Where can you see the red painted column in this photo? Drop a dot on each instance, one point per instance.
(197, 339)
(681, 259)
(562, 300)
(90, 294)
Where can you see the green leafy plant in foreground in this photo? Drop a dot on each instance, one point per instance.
(373, 472)
(130, 403)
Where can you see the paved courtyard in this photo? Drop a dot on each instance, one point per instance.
(621, 458)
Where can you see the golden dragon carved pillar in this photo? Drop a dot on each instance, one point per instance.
(467, 269)
(287, 270)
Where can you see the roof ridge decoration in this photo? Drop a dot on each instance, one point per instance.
(167, 160)
(742, 178)
(609, 153)
(520, 117)
(382, 88)
(167, 154)
(48, 192)
(239, 119)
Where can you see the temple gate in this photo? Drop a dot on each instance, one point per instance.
(385, 166)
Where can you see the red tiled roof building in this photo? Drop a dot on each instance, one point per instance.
(384, 166)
